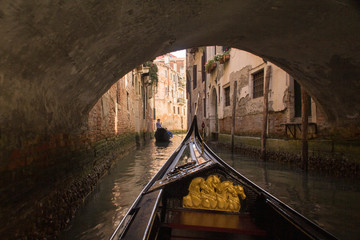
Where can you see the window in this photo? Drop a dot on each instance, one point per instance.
(117, 93)
(227, 96)
(194, 76)
(178, 110)
(127, 100)
(297, 100)
(165, 73)
(219, 93)
(136, 85)
(166, 91)
(174, 109)
(203, 73)
(258, 84)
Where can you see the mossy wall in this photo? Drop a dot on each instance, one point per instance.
(333, 158)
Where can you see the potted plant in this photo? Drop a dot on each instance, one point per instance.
(210, 65)
(219, 58)
(226, 56)
(152, 71)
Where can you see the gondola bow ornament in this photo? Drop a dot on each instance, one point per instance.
(212, 194)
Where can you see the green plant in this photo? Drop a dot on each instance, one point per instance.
(218, 57)
(227, 51)
(153, 72)
(209, 65)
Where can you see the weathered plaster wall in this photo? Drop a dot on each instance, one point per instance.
(249, 110)
(172, 114)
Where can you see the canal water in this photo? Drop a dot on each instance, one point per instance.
(330, 202)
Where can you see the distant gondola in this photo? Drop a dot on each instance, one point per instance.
(196, 195)
(162, 135)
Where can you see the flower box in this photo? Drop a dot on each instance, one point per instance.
(225, 58)
(210, 66)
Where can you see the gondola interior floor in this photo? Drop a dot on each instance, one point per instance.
(182, 224)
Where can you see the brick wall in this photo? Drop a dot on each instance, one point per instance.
(44, 163)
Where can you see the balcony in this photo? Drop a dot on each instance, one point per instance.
(181, 84)
(143, 70)
(181, 101)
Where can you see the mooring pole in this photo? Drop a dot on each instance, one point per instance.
(233, 117)
(265, 113)
(203, 137)
(304, 129)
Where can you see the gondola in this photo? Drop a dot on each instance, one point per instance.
(161, 135)
(196, 195)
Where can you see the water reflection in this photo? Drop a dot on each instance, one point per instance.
(106, 206)
(330, 202)
(161, 145)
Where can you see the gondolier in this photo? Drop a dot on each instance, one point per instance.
(161, 134)
(158, 124)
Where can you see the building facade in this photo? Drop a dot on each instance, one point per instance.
(125, 108)
(223, 81)
(170, 98)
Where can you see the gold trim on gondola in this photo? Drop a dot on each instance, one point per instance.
(212, 194)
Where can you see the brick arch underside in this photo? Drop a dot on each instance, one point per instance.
(58, 58)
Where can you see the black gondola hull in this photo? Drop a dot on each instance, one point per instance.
(161, 135)
(160, 211)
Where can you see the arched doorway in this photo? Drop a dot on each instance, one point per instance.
(213, 114)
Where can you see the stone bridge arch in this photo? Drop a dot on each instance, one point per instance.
(57, 58)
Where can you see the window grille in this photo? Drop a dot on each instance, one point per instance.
(227, 96)
(194, 76)
(258, 84)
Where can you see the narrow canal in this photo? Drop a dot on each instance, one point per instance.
(330, 202)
